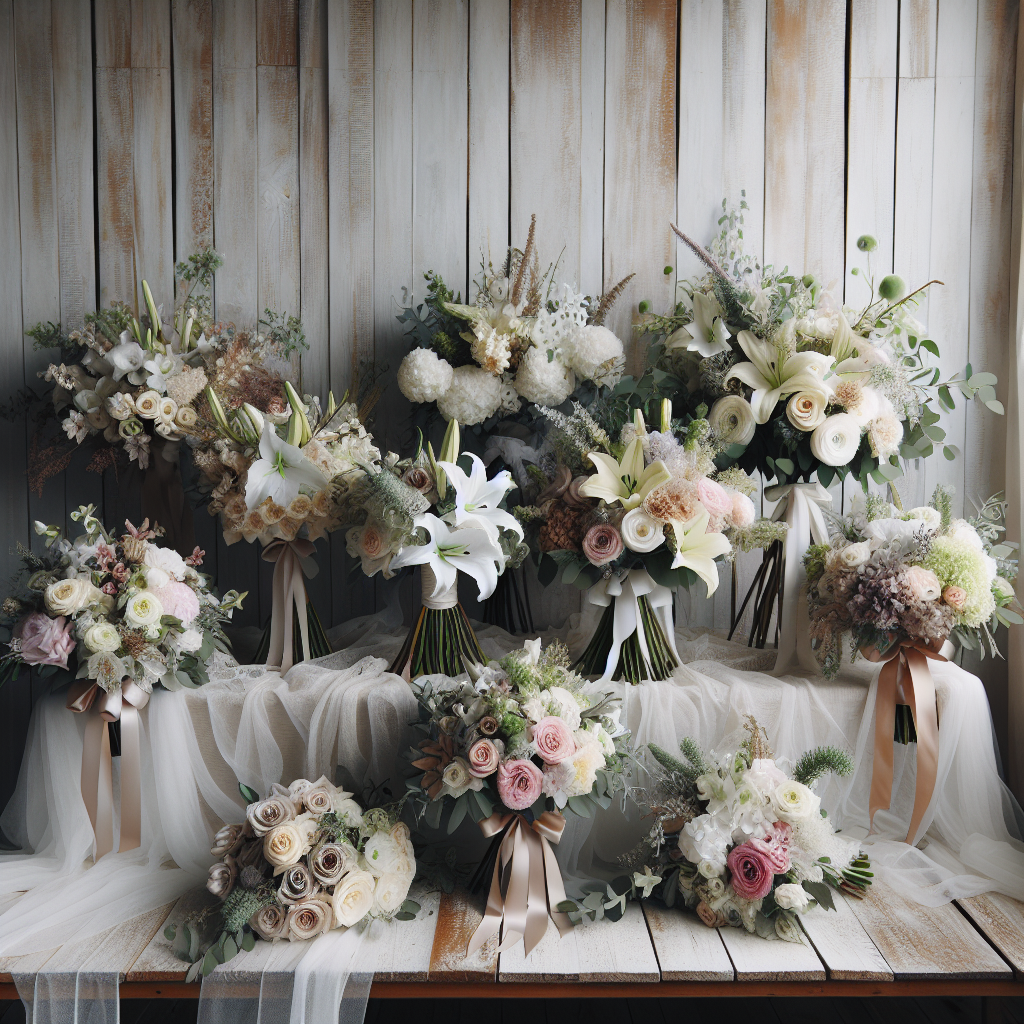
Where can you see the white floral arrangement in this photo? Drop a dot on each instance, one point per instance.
(124, 607)
(306, 859)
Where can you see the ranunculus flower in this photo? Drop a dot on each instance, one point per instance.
(806, 410)
(263, 815)
(69, 597)
(714, 497)
(743, 512)
(482, 758)
(270, 922)
(553, 740)
(519, 784)
(167, 559)
(732, 420)
(44, 641)
(285, 845)
(855, 555)
(923, 583)
(331, 862)
(186, 417)
(166, 410)
(751, 873)
(602, 544)
(836, 440)
(222, 877)
(390, 892)
(641, 532)
(227, 841)
(352, 899)
(178, 600)
(794, 802)
(380, 854)
(955, 597)
(791, 896)
(308, 919)
(147, 405)
(143, 609)
(297, 884)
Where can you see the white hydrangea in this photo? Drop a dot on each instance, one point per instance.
(424, 376)
(596, 354)
(542, 380)
(474, 395)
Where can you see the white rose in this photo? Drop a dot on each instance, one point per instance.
(806, 410)
(352, 899)
(186, 417)
(68, 597)
(286, 844)
(927, 515)
(147, 405)
(167, 410)
(458, 780)
(190, 641)
(102, 637)
(855, 555)
(732, 420)
(144, 609)
(794, 802)
(390, 892)
(835, 442)
(641, 532)
(791, 896)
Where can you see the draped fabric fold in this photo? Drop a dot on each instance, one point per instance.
(526, 886)
(293, 560)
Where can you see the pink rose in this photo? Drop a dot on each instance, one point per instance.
(752, 872)
(179, 600)
(554, 740)
(602, 544)
(924, 584)
(955, 597)
(519, 784)
(775, 846)
(483, 759)
(743, 511)
(714, 497)
(44, 641)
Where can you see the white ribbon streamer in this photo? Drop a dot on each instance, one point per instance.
(446, 599)
(626, 590)
(800, 505)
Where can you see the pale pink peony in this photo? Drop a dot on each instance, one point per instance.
(44, 641)
(519, 784)
(775, 846)
(743, 511)
(714, 497)
(482, 758)
(179, 600)
(554, 740)
(602, 544)
(751, 871)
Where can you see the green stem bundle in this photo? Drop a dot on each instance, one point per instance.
(632, 666)
(441, 643)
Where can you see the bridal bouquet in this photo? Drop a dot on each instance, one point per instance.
(523, 338)
(739, 840)
(528, 738)
(445, 516)
(306, 859)
(633, 518)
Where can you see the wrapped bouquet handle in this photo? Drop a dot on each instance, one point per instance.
(293, 560)
(121, 705)
(526, 886)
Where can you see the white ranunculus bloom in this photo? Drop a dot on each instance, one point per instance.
(927, 515)
(732, 420)
(791, 896)
(854, 555)
(102, 636)
(641, 532)
(794, 802)
(836, 440)
(144, 609)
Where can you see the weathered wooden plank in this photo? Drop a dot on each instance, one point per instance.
(488, 182)
(1001, 920)
(458, 916)
(757, 959)
(687, 950)
(617, 951)
(402, 949)
(843, 945)
(925, 942)
(552, 959)
(157, 961)
(593, 17)
(277, 32)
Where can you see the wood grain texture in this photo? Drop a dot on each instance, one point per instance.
(757, 959)
(1001, 920)
(553, 959)
(593, 109)
(687, 950)
(458, 917)
(843, 945)
(402, 949)
(925, 942)
(617, 951)
(277, 32)
(157, 961)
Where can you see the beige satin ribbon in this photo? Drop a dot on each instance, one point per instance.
(528, 872)
(919, 691)
(97, 763)
(292, 558)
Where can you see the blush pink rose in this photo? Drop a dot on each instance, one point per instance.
(554, 740)
(752, 872)
(714, 497)
(44, 641)
(483, 759)
(519, 784)
(775, 847)
(602, 544)
(743, 511)
(179, 600)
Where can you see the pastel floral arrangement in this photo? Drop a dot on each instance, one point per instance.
(123, 607)
(528, 734)
(522, 340)
(737, 839)
(306, 859)
(921, 574)
(637, 510)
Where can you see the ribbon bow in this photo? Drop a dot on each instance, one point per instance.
(526, 886)
(919, 691)
(294, 559)
(801, 505)
(626, 590)
(97, 763)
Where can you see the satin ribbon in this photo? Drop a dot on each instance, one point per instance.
(625, 591)
(97, 763)
(532, 882)
(912, 657)
(294, 559)
(800, 505)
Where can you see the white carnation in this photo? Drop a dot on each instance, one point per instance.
(546, 382)
(596, 354)
(423, 376)
(474, 395)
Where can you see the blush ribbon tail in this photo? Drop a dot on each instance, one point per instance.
(293, 560)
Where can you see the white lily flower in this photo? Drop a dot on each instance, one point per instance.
(448, 552)
(160, 367)
(477, 498)
(126, 357)
(775, 373)
(697, 549)
(706, 334)
(627, 482)
(281, 472)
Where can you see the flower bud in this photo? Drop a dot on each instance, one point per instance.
(867, 243)
(892, 287)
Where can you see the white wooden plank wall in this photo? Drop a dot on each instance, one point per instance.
(334, 150)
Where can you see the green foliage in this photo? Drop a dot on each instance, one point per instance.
(200, 267)
(240, 905)
(822, 761)
(285, 332)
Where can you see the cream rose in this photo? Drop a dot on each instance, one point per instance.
(732, 420)
(186, 417)
(69, 597)
(285, 845)
(167, 410)
(792, 897)
(144, 609)
(263, 815)
(641, 532)
(390, 892)
(331, 862)
(102, 636)
(835, 441)
(308, 919)
(806, 410)
(352, 899)
(147, 405)
(222, 877)
(270, 922)
(923, 583)
(927, 515)
(794, 802)
(380, 854)
(855, 555)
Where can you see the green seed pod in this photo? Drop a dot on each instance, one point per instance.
(645, 306)
(867, 243)
(892, 287)
(668, 270)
